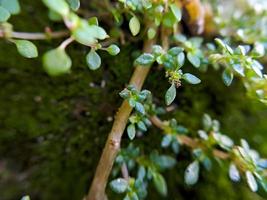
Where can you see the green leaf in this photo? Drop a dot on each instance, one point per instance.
(59, 6)
(234, 173)
(74, 4)
(180, 59)
(227, 77)
(174, 51)
(220, 43)
(56, 62)
(26, 48)
(12, 6)
(192, 173)
(151, 33)
(4, 14)
(169, 19)
(141, 125)
(160, 184)
(119, 185)
(134, 25)
(207, 122)
(258, 50)
(170, 95)
(190, 78)
(165, 162)
(239, 69)
(113, 50)
(140, 108)
(93, 60)
(93, 21)
(26, 198)
(145, 59)
(166, 141)
(256, 67)
(176, 11)
(193, 59)
(54, 16)
(131, 131)
(252, 183)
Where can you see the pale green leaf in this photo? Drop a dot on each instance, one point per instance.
(119, 185)
(190, 78)
(26, 48)
(4, 14)
(170, 95)
(56, 62)
(192, 173)
(93, 60)
(134, 25)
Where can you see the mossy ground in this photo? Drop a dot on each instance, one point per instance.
(52, 130)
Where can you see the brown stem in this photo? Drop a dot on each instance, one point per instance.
(112, 146)
(124, 171)
(185, 140)
(36, 36)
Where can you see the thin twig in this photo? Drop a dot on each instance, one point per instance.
(66, 42)
(124, 171)
(185, 140)
(112, 146)
(36, 36)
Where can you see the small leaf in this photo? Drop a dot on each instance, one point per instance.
(227, 77)
(113, 50)
(192, 173)
(234, 173)
(166, 141)
(119, 185)
(207, 122)
(140, 108)
(59, 6)
(180, 59)
(74, 4)
(193, 59)
(256, 68)
(145, 59)
(26, 198)
(12, 6)
(151, 33)
(125, 94)
(170, 95)
(141, 125)
(160, 184)
(239, 69)
(26, 48)
(169, 19)
(131, 131)
(258, 50)
(220, 43)
(174, 51)
(56, 62)
(190, 78)
(176, 11)
(4, 14)
(252, 183)
(93, 60)
(134, 25)
(93, 21)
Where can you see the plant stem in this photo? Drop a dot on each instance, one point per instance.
(66, 42)
(36, 36)
(112, 146)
